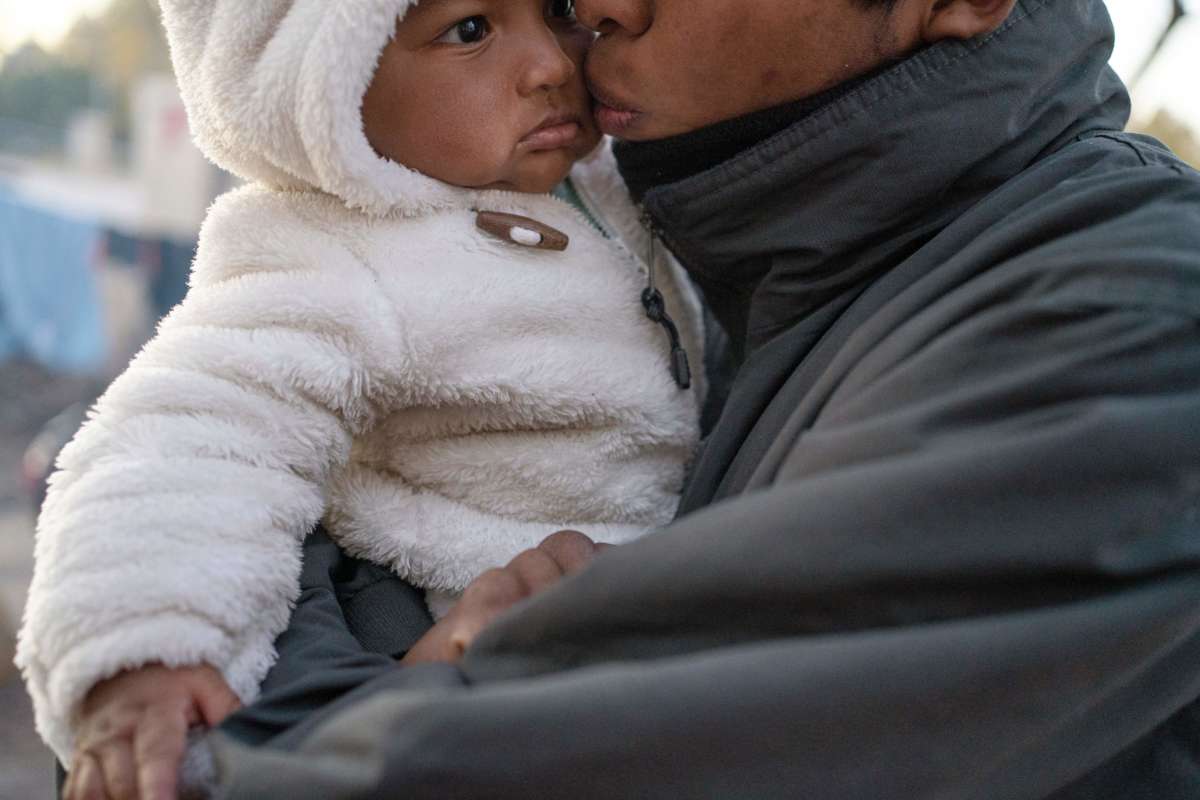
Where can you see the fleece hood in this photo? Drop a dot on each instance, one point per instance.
(274, 92)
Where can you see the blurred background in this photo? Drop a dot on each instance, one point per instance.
(101, 196)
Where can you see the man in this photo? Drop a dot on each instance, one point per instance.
(944, 537)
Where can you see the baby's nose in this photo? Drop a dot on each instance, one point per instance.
(549, 68)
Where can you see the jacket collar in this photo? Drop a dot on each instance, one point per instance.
(789, 231)
(645, 165)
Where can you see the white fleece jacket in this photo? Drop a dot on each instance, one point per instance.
(352, 348)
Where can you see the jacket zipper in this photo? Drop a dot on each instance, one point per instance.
(656, 306)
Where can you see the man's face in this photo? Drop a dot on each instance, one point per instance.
(665, 67)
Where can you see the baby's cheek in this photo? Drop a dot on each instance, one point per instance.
(457, 132)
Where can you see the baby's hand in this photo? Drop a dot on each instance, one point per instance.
(497, 590)
(132, 731)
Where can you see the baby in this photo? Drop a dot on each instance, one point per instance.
(392, 328)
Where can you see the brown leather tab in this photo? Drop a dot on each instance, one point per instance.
(522, 231)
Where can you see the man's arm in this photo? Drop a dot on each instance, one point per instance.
(980, 587)
(847, 718)
(355, 621)
(352, 620)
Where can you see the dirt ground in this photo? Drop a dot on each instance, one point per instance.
(26, 771)
(28, 398)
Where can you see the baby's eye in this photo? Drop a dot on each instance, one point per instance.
(562, 9)
(469, 31)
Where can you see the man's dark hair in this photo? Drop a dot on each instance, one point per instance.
(886, 5)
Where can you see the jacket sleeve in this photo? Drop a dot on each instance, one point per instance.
(977, 577)
(172, 528)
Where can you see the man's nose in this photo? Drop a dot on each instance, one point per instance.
(630, 17)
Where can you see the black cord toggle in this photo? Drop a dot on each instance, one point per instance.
(656, 310)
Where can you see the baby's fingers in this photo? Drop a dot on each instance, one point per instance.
(86, 781)
(214, 699)
(120, 774)
(158, 745)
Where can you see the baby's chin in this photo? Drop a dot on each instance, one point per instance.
(540, 173)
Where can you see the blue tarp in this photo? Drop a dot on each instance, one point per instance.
(50, 310)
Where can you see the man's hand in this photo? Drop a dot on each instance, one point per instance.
(497, 590)
(133, 730)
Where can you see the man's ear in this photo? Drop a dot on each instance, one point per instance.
(963, 19)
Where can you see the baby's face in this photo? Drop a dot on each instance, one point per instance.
(484, 93)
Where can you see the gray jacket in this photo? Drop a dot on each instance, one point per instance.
(944, 541)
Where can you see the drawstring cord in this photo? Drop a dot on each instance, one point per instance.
(656, 310)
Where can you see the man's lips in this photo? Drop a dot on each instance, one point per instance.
(613, 116)
(557, 131)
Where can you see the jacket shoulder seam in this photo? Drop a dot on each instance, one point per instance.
(1122, 141)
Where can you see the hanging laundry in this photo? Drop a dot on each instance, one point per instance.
(49, 305)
